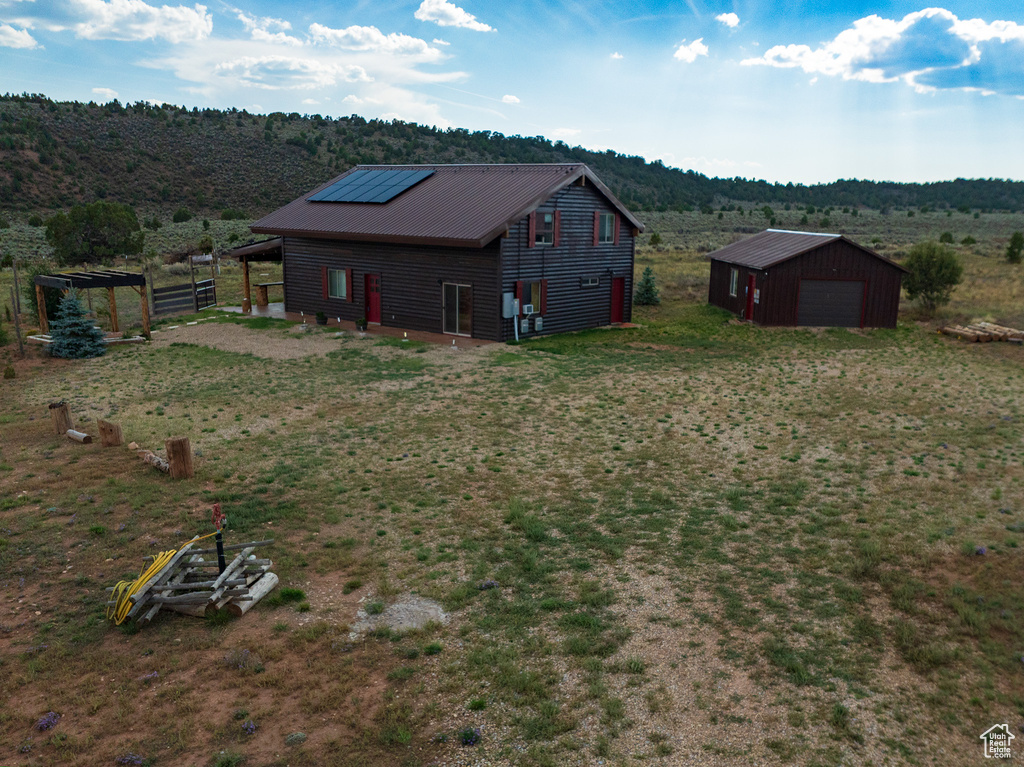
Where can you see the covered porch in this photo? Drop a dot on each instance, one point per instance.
(268, 250)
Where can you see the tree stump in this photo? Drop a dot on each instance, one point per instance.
(179, 456)
(61, 415)
(110, 434)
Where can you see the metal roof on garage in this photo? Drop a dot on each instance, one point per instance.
(773, 246)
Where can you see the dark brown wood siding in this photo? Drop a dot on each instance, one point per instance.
(780, 285)
(411, 281)
(718, 288)
(570, 305)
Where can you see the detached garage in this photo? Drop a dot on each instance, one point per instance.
(803, 278)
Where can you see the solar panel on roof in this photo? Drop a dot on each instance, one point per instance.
(371, 186)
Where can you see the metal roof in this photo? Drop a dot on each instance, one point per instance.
(458, 205)
(773, 246)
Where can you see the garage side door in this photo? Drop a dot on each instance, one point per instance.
(836, 303)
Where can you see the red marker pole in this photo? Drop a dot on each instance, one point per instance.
(218, 521)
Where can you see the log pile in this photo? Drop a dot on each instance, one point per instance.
(191, 584)
(983, 332)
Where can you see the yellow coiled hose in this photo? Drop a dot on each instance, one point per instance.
(124, 590)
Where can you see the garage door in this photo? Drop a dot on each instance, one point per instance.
(836, 303)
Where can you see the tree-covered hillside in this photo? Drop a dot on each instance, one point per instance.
(55, 154)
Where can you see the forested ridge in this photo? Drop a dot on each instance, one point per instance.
(57, 154)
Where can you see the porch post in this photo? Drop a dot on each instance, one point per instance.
(246, 296)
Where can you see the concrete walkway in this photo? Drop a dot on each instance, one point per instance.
(277, 312)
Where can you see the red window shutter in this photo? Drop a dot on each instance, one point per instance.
(326, 290)
(615, 224)
(544, 295)
(597, 226)
(519, 296)
(558, 228)
(532, 233)
(348, 286)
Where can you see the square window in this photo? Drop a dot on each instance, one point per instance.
(336, 287)
(606, 228)
(545, 231)
(734, 282)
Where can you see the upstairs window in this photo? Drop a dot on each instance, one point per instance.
(545, 233)
(606, 228)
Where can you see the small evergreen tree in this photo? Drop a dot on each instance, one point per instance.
(646, 291)
(1015, 250)
(73, 334)
(934, 272)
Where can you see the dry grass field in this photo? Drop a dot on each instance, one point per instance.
(710, 543)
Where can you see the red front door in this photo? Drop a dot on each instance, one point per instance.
(372, 282)
(751, 282)
(618, 297)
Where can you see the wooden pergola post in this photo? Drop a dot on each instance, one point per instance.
(44, 326)
(144, 302)
(113, 310)
(246, 296)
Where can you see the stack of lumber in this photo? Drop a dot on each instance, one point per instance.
(983, 332)
(191, 584)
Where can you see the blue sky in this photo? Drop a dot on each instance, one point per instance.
(786, 91)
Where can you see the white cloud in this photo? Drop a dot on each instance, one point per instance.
(262, 29)
(132, 20)
(106, 93)
(617, 55)
(358, 38)
(689, 53)
(286, 72)
(928, 50)
(16, 38)
(729, 19)
(439, 41)
(310, 102)
(565, 132)
(508, 99)
(446, 14)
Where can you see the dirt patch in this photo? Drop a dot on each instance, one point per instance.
(272, 345)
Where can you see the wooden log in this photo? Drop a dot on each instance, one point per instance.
(179, 456)
(154, 460)
(235, 547)
(959, 332)
(79, 436)
(196, 611)
(257, 591)
(110, 434)
(184, 585)
(60, 414)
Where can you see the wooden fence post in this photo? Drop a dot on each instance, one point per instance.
(61, 415)
(110, 434)
(179, 456)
